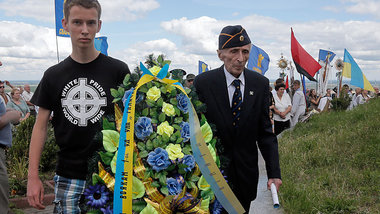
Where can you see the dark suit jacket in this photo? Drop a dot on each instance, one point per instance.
(254, 126)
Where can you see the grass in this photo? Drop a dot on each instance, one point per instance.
(331, 164)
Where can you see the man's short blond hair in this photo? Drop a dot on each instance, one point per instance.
(68, 4)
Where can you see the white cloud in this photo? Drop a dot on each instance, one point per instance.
(27, 50)
(371, 7)
(199, 36)
(115, 10)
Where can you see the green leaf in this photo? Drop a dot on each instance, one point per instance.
(141, 146)
(182, 166)
(166, 62)
(176, 126)
(173, 101)
(207, 194)
(113, 163)
(159, 59)
(138, 205)
(177, 111)
(150, 102)
(163, 89)
(121, 91)
(143, 89)
(205, 204)
(96, 179)
(170, 168)
(116, 100)
(160, 101)
(149, 209)
(165, 138)
(155, 184)
(126, 79)
(149, 85)
(164, 190)
(187, 149)
(181, 171)
(179, 140)
(149, 145)
(162, 179)
(187, 90)
(202, 184)
(110, 140)
(178, 120)
(206, 132)
(154, 121)
(107, 125)
(138, 188)
(212, 151)
(114, 93)
(145, 112)
(143, 154)
(106, 157)
(194, 178)
(173, 138)
(162, 117)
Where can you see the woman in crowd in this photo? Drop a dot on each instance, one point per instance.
(18, 104)
(314, 99)
(363, 97)
(282, 108)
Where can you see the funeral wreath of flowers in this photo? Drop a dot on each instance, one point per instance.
(165, 171)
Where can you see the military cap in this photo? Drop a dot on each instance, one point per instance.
(233, 36)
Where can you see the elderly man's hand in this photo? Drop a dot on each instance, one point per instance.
(277, 182)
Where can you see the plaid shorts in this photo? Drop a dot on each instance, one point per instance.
(67, 194)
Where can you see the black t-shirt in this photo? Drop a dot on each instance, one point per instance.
(79, 95)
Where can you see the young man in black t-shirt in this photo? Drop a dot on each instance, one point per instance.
(77, 90)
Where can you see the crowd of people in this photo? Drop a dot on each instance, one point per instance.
(289, 106)
(17, 99)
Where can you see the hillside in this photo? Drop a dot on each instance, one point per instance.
(331, 164)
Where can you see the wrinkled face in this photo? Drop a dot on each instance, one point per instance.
(82, 24)
(16, 95)
(235, 58)
(27, 88)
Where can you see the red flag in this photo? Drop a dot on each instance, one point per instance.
(305, 63)
(287, 83)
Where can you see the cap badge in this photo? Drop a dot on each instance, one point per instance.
(241, 38)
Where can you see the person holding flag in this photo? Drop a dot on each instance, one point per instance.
(77, 90)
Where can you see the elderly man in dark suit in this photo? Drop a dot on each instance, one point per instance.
(237, 102)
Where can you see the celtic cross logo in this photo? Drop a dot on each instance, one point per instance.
(82, 102)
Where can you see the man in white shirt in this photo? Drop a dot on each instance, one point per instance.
(27, 94)
(298, 103)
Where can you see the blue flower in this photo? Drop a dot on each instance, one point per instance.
(143, 127)
(182, 103)
(189, 160)
(159, 159)
(97, 195)
(185, 131)
(107, 210)
(216, 207)
(174, 186)
(139, 97)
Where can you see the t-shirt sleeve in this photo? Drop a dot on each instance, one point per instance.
(41, 96)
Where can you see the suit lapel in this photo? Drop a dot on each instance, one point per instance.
(250, 94)
(220, 94)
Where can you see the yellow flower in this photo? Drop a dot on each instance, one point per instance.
(174, 151)
(155, 70)
(168, 109)
(165, 128)
(153, 93)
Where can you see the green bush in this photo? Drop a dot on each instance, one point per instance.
(341, 103)
(21, 135)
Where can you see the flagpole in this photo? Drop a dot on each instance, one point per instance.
(56, 39)
(56, 42)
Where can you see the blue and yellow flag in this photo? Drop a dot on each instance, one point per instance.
(203, 67)
(58, 19)
(101, 44)
(352, 70)
(258, 60)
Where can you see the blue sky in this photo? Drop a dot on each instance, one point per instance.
(187, 30)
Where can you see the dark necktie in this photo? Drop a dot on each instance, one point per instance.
(236, 103)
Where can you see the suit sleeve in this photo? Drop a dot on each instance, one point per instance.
(267, 141)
